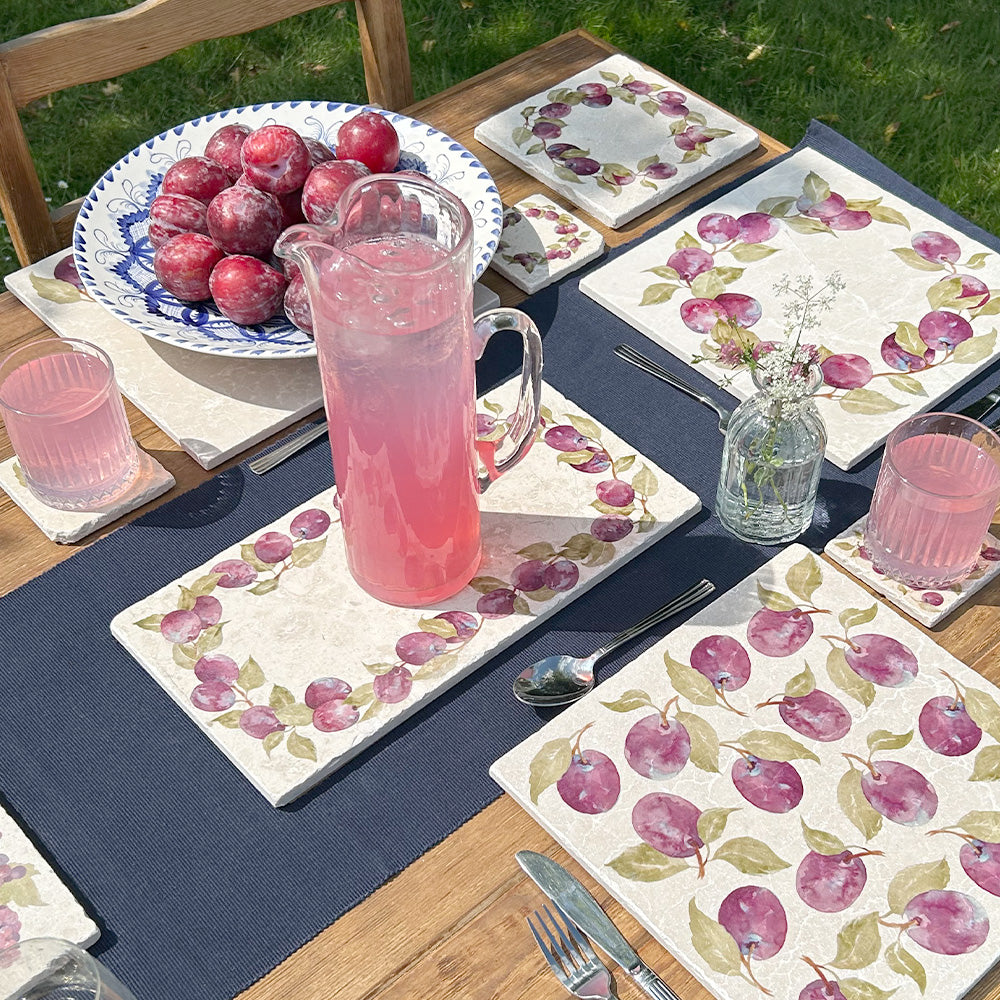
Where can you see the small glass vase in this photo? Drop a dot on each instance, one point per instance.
(771, 462)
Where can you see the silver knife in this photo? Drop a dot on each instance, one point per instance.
(586, 913)
(982, 408)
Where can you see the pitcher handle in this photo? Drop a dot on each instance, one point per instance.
(522, 425)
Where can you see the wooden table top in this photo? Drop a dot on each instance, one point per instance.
(452, 926)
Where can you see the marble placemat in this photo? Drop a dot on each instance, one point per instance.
(617, 139)
(291, 669)
(759, 787)
(34, 902)
(927, 606)
(65, 526)
(915, 319)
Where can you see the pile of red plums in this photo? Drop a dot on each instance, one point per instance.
(217, 217)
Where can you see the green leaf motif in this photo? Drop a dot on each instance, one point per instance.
(306, 553)
(908, 337)
(273, 740)
(815, 188)
(54, 289)
(858, 943)
(21, 892)
(249, 555)
(438, 626)
(713, 943)
(565, 174)
(707, 285)
(150, 624)
(984, 711)
(990, 309)
(847, 680)
(522, 607)
(729, 274)
(914, 880)
(548, 766)
(210, 639)
(856, 807)
(585, 426)
(977, 260)
(904, 964)
(363, 694)
(610, 77)
(538, 550)
(693, 154)
(975, 349)
(750, 856)
(629, 701)
(804, 577)
(776, 206)
(911, 258)
(600, 554)
(296, 714)
(574, 457)
(436, 666)
(820, 841)
(858, 989)
(801, 684)
(264, 587)
(187, 599)
(643, 863)
(688, 683)
(231, 719)
(807, 226)
(646, 161)
(280, 697)
(250, 676)
(654, 295)
(987, 765)
(712, 822)
(907, 384)
(747, 253)
(181, 658)
(775, 746)
(867, 402)
(664, 271)
(645, 483)
(882, 213)
(646, 521)
(487, 584)
(520, 135)
(774, 600)
(694, 118)
(882, 739)
(945, 293)
(578, 547)
(301, 746)
(624, 463)
(704, 741)
(983, 824)
(204, 585)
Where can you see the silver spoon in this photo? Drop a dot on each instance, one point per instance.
(559, 680)
(633, 357)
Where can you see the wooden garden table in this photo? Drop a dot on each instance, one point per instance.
(451, 926)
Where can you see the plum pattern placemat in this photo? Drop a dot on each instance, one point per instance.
(759, 789)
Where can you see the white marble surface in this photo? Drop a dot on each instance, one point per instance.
(925, 605)
(742, 844)
(541, 242)
(627, 139)
(284, 635)
(65, 526)
(890, 290)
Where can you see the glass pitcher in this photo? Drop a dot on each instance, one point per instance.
(390, 287)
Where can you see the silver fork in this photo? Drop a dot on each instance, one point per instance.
(262, 463)
(633, 357)
(571, 957)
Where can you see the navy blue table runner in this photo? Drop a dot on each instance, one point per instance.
(200, 886)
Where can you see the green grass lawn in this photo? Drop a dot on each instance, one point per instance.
(915, 83)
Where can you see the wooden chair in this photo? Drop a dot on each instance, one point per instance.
(98, 48)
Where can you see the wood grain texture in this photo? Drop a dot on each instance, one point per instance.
(451, 926)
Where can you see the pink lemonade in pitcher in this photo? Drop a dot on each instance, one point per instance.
(399, 386)
(933, 504)
(68, 427)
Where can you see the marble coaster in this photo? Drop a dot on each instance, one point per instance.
(617, 139)
(760, 786)
(542, 243)
(277, 655)
(885, 273)
(34, 902)
(65, 526)
(926, 606)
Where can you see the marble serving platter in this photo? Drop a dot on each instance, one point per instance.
(724, 831)
(927, 606)
(916, 318)
(34, 902)
(291, 669)
(617, 139)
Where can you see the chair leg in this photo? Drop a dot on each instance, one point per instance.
(385, 53)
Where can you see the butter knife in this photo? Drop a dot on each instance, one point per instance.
(982, 408)
(586, 913)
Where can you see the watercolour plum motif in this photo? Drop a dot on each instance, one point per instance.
(831, 876)
(875, 658)
(809, 711)
(763, 774)
(784, 624)
(551, 121)
(755, 919)
(946, 726)
(569, 236)
(17, 891)
(586, 780)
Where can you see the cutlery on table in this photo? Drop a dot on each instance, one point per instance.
(571, 958)
(262, 463)
(581, 907)
(559, 680)
(634, 357)
(982, 408)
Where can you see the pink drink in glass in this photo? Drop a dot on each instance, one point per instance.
(67, 424)
(936, 494)
(401, 406)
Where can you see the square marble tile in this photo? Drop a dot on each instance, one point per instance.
(542, 242)
(34, 902)
(65, 526)
(716, 276)
(748, 797)
(617, 139)
(927, 606)
(248, 674)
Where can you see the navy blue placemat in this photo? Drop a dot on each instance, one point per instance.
(199, 885)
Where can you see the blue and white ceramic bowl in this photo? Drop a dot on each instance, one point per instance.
(115, 260)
